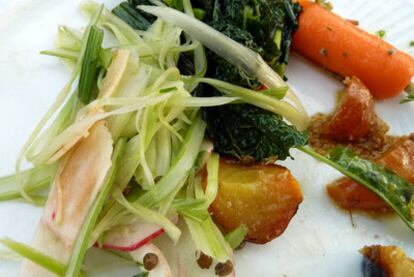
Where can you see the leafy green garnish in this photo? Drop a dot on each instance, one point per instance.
(411, 43)
(82, 242)
(236, 237)
(244, 130)
(393, 189)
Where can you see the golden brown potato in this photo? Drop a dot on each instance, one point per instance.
(387, 261)
(263, 197)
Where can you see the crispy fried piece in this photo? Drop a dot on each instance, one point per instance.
(264, 197)
(355, 115)
(386, 261)
(348, 194)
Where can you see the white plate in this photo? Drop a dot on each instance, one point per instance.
(320, 240)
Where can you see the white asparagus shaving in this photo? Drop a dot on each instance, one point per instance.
(79, 179)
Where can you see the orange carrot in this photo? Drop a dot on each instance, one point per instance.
(340, 46)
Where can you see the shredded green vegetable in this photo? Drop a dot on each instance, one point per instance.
(37, 257)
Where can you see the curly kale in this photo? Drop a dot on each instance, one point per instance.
(266, 28)
(242, 130)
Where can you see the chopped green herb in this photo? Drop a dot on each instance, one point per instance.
(412, 43)
(326, 4)
(380, 33)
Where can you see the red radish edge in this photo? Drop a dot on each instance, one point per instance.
(133, 246)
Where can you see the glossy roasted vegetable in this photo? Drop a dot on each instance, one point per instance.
(355, 114)
(386, 261)
(263, 197)
(348, 194)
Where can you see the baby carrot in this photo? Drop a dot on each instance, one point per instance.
(340, 46)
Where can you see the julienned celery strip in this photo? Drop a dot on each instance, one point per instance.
(62, 53)
(212, 179)
(393, 189)
(198, 215)
(37, 257)
(180, 167)
(56, 105)
(89, 69)
(33, 179)
(208, 238)
(149, 215)
(236, 237)
(82, 243)
(261, 100)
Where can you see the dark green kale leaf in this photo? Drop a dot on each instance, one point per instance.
(265, 26)
(242, 130)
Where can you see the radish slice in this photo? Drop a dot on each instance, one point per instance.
(162, 269)
(182, 256)
(79, 178)
(132, 236)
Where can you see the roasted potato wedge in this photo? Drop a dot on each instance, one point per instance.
(386, 261)
(355, 114)
(263, 197)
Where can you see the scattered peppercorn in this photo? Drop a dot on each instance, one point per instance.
(150, 261)
(345, 55)
(323, 52)
(223, 269)
(391, 52)
(204, 261)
